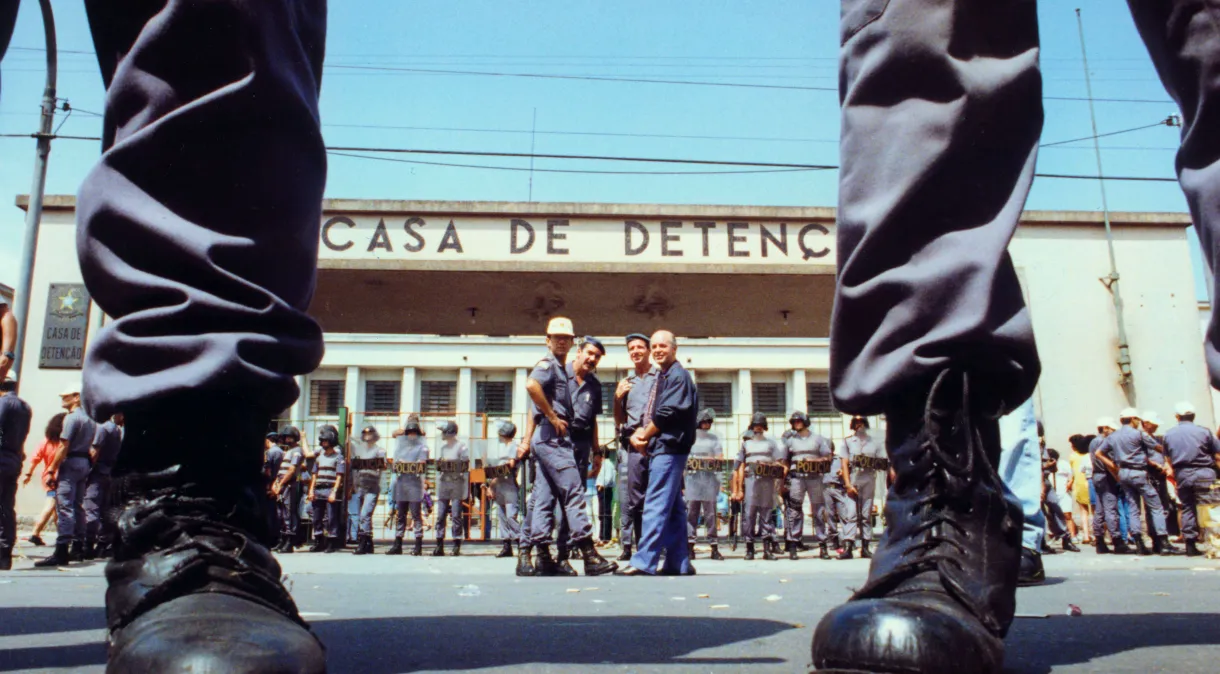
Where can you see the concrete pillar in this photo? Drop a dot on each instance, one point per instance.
(797, 393)
(353, 397)
(407, 403)
(743, 404)
(297, 411)
(465, 402)
(521, 399)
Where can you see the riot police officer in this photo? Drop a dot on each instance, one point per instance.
(287, 489)
(865, 458)
(703, 486)
(410, 450)
(366, 486)
(325, 489)
(760, 450)
(503, 489)
(452, 487)
(802, 450)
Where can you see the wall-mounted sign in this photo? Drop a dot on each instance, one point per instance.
(65, 327)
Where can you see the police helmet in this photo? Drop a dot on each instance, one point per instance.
(706, 416)
(413, 427)
(274, 437)
(759, 419)
(799, 416)
(328, 434)
(290, 433)
(371, 429)
(859, 420)
(448, 428)
(507, 429)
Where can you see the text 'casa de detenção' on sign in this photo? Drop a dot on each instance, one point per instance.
(490, 238)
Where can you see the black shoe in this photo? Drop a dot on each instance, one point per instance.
(768, 553)
(749, 551)
(595, 564)
(506, 551)
(6, 559)
(564, 568)
(457, 547)
(545, 564)
(319, 544)
(1068, 545)
(1121, 547)
(823, 551)
(525, 566)
(35, 540)
(941, 591)
(865, 553)
(58, 558)
(1156, 544)
(792, 553)
(369, 548)
(1031, 571)
(333, 545)
(360, 546)
(690, 550)
(1169, 549)
(396, 548)
(1102, 548)
(191, 586)
(77, 552)
(1140, 548)
(1192, 548)
(418, 550)
(90, 550)
(716, 556)
(801, 547)
(440, 548)
(626, 556)
(846, 552)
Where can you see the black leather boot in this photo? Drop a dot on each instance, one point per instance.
(792, 552)
(333, 544)
(716, 553)
(319, 544)
(1031, 571)
(1121, 547)
(1102, 548)
(440, 548)
(1169, 549)
(369, 548)
(360, 546)
(690, 550)
(77, 552)
(287, 548)
(941, 591)
(1192, 548)
(57, 558)
(846, 552)
(545, 564)
(1156, 544)
(595, 564)
(626, 556)
(562, 566)
(1141, 548)
(191, 585)
(506, 551)
(1068, 545)
(865, 553)
(418, 550)
(749, 551)
(6, 559)
(396, 548)
(823, 551)
(457, 547)
(768, 553)
(90, 550)
(525, 566)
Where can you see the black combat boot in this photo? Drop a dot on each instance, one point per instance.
(941, 591)
(192, 585)
(287, 547)
(768, 551)
(1031, 571)
(690, 550)
(846, 552)
(457, 547)
(360, 546)
(595, 564)
(1141, 548)
(77, 552)
(801, 547)
(749, 551)
(319, 544)
(1169, 549)
(6, 559)
(1192, 548)
(1156, 544)
(626, 556)
(506, 551)
(1068, 545)
(716, 553)
(525, 566)
(562, 566)
(1102, 548)
(58, 558)
(792, 552)
(396, 548)
(865, 553)
(823, 552)
(1121, 547)
(333, 544)
(368, 544)
(545, 566)
(90, 551)
(440, 548)
(418, 550)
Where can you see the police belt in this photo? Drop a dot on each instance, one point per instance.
(1130, 466)
(870, 463)
(764, 470)
(409, 467)
(706, 465)
(812, 466)
(452, 466)
(368, 464)
(496, 472)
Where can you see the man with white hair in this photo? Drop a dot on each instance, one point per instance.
(1194, 453)
(1129, 448)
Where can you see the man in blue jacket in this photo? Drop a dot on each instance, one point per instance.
(665, 436)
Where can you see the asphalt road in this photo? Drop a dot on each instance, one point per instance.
(381, 615)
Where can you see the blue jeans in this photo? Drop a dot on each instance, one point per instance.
(663, 525)
(1021, 470)
(360, 512)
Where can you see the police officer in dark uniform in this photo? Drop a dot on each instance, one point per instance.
(106, 446)
(1194, 453)
(1129, 448)
(325, 491)
(586, 392)
(287, 488)
(15, 417)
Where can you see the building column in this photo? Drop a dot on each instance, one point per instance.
(352, 395)
(743, 405)
(406, 401)
(465, 402)
(798, 399)
(297, 412)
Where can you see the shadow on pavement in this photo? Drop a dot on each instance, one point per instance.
(471, 642)
(1036, 646)
(16, 621)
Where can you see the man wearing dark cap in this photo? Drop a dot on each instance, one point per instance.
(287, 487)
(325, 487)
(586, 393)
(630, 398)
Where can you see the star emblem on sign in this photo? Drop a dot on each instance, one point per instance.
(67, 301)
(69, 305)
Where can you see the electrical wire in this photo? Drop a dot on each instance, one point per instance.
(590, 172)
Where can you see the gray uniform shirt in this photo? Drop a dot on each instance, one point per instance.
(1191, 446)
(327, 468)
(108, 440)
(498, 454)
(1099, 469)
(858, 444)
(410, 450)
(813, 446)
(78, 432)
(760, 491)
(452, 485)
(704, 485)
(367, 479)
(15, 417)
(637, 398)
(1129, 447)
(292, 457)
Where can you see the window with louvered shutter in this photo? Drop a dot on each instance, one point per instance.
(769, 398)
(607, 398)
(438, 397)
(382, 397)
(325, 396)
(716, 395)
(818, 402)
(493, 397)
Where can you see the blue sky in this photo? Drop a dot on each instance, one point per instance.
(791, 43)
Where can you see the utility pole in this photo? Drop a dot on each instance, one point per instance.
(33, 215)
(1111, 281)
